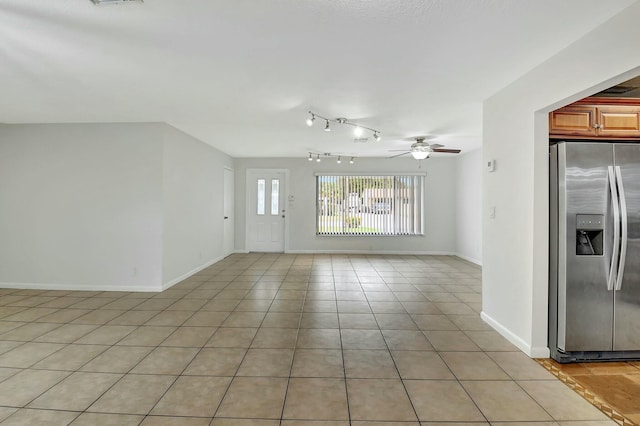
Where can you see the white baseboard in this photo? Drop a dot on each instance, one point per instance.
(413, 252)
(469, 259)
(539, 352)
(105, 287)
(532, 351)
(191, 272)
(82, 287)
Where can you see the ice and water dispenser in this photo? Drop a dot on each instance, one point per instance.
(589, 234)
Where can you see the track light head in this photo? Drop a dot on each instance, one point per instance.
(311, 119)
(338, 160)
(318, 158)
(351, 160)
(310, 157)
(326, 126)
(376, 136)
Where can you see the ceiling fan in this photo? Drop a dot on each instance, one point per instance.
(421, 149)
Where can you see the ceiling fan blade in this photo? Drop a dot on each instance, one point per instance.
(398, 155)
(448, 151)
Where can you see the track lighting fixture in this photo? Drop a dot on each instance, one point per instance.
(318, 157)
(310, 120)
(358, 131)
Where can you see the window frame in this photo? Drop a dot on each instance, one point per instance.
(420, 216)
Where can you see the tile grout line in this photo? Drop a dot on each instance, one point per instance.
(224, 395)
(128, 372)
(295, 345)
(286, 391)
(406, 392)
(457, 380)
(344, 366)
(183, 370)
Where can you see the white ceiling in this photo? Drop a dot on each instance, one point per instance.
(242, 74)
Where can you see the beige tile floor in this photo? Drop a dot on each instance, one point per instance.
(271, 339)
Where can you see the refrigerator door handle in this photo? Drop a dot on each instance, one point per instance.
(616, 229)
(623, 214)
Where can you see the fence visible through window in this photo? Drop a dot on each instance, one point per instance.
(369, 205)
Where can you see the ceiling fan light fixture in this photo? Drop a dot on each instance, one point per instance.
(420, 150)
(420, 155)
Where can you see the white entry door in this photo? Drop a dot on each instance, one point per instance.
(229, 209)
(266, 210)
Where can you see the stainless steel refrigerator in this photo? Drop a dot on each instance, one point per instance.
(594, 282)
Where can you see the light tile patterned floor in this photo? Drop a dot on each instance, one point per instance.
(271, 339)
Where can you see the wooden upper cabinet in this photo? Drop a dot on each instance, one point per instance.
(597, 118)
(573, 120)
(619, 121)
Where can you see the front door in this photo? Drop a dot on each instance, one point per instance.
(266, 210)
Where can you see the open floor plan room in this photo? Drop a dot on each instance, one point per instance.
(270, 339)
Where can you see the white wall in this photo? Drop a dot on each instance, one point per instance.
(469, 206)
(515, 134)
(80, 206)
(192, 199)
(440, 202)
(107, 206)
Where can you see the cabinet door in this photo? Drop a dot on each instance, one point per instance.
(573, 120)
(618, 121)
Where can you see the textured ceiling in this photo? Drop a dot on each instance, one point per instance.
(241, 74)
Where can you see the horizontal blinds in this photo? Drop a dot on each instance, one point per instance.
(369, 205)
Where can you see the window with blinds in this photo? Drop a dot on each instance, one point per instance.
(369, 205)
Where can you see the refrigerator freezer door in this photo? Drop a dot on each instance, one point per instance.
(585, 305)
(627, 299)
